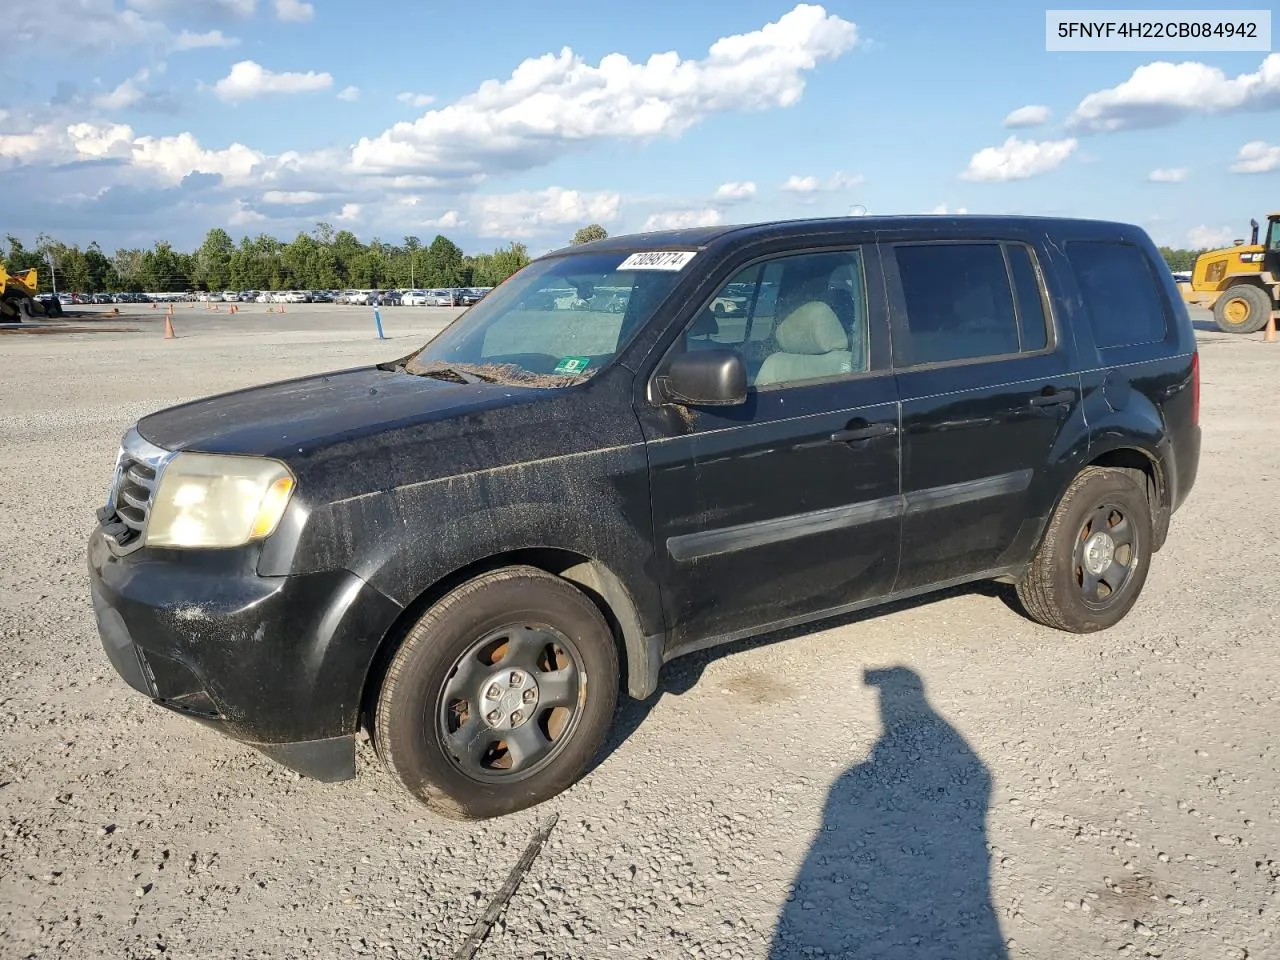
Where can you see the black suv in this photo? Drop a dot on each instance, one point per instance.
(470, 550)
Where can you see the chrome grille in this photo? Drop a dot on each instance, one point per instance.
(133, 487)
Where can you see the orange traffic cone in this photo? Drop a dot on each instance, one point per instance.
(168, 327)
(1269, 336)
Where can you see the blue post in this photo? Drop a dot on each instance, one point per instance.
(377, 318)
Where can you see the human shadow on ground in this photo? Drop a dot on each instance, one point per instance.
(899, 867)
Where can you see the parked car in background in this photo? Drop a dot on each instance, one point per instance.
(414, 298)
(231, 296)
(358, 297)
(387, 298)
(279, 296)
(263, 297)
(296, 296)
(442, 298)
(321, 296)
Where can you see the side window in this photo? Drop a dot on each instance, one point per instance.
(793, 319)
(959, 303)
(1273, 236)
(1120, 293)
(1033, 328)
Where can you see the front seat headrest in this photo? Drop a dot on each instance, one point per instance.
(811, 328)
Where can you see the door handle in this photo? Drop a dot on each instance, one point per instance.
(1053, 398)
(855, 434)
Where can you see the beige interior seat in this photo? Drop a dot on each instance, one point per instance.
(811, 343)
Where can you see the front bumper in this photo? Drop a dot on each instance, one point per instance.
(278, 663)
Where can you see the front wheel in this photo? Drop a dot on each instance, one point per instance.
(1092, 563)
(500, 696)
(1242, 309)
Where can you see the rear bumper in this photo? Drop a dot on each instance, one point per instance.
(278, 663)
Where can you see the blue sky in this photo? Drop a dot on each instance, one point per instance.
(128, 121)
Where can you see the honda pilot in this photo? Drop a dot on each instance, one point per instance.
(640, 448)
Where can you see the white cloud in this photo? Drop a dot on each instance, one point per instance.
(557, 102)
(350, 211)
(187, 40)
(1167, 175)
(446, 221)
(349, 94)
(796, 184)
(1208, 238)
(291, 197)
(1018, 159)
(735, 192)
(1257, 156)
(244, 215)
(527, 213)
(95, 142)
(1032, 115)
(681, 219)
(76, 25)
(838, 181)
(294, 11)
(941, 210)
(177, 157)
(1162, 93)
(216, 9)
(125, 95)
(416, 99)
(248, 80)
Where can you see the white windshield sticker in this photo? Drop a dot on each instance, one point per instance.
(658, 260)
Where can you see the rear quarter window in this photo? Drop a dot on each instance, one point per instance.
(1120, 293)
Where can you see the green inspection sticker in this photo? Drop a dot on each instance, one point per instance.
(572, 364)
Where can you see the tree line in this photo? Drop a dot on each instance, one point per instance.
(323, 259)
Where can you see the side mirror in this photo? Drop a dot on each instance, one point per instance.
(706, 378)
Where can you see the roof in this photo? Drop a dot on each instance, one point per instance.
(698, 238)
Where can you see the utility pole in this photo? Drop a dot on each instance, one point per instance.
(53, 272)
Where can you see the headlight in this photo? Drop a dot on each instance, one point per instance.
(208, 500)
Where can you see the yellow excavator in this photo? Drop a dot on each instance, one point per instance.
(19, 299)
(1240, 284)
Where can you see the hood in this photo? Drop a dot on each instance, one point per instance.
(295, 416)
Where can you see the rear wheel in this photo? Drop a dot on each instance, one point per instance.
(500, 695)
(1243, 308)
(1093, 561)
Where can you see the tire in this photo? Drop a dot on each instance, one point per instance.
(1064, 587)
(1243, 308)
(476, 647)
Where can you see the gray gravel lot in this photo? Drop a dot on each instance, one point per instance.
(993, 788)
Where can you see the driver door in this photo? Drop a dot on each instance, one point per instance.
(787, 505)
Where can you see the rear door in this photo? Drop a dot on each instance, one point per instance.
(789, 504)
(987, 382)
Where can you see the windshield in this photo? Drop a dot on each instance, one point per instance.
(558, 321)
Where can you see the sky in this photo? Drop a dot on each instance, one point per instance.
(132, 121)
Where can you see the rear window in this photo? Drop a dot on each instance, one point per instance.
(1120, 293)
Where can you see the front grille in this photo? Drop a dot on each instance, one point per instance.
(133, 487)
(134, 490)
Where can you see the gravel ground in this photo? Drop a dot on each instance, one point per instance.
(942, 779)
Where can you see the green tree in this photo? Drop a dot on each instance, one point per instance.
(101, 274)
(128, 268)
(592, 231)
(213, 260)
(1180, 260)
(443, 263)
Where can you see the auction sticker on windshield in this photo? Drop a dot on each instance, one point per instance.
(658, 260)
(572, 364)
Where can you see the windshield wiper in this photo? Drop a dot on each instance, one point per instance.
(458, 374)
